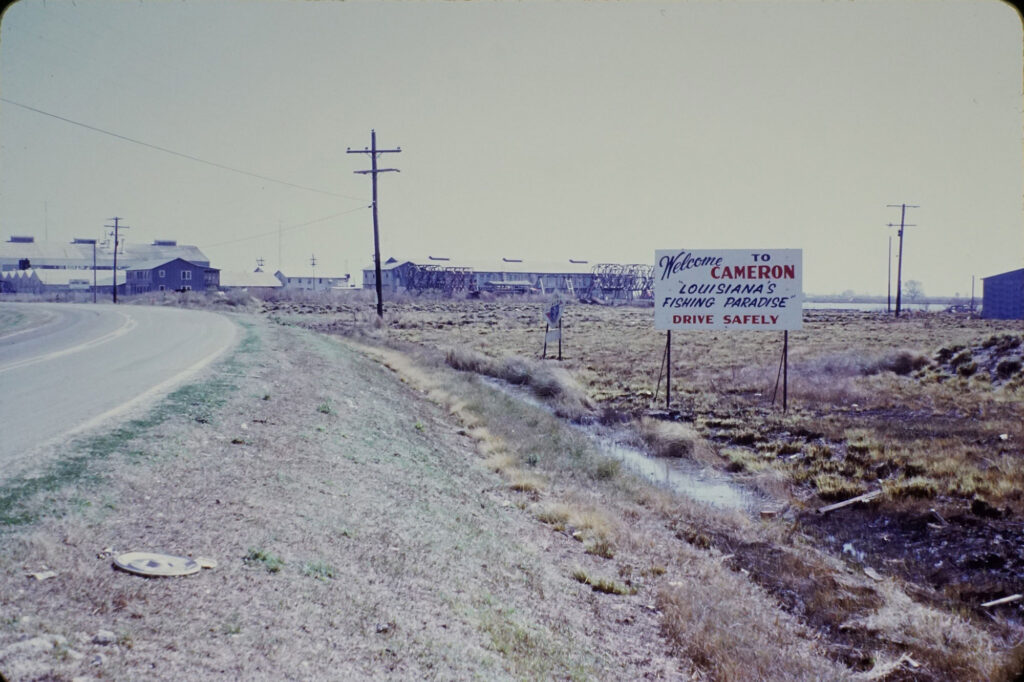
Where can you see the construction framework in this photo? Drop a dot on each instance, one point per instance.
(447, 280)
(621, 282)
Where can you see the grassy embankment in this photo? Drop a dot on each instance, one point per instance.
(862, 621)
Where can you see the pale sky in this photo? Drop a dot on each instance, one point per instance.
(544, 130)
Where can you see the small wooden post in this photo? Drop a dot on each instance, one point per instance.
(668, 369)
(544, 353)
(785, 369)
(559, 337)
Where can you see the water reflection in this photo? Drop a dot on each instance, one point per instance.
(682, 476)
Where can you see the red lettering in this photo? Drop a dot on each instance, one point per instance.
(693, 319)
(754, 272)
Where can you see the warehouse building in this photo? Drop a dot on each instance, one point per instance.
(504, 276)
(24, 252)
(317, 283)
(1003, 296)
(34, 267)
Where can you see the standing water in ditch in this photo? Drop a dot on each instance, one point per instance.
(681, 476)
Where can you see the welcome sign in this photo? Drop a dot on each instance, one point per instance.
(728, 289)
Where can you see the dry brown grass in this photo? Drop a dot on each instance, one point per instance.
(854, 408)
(737, 639)
(670, 439)
(948, 647)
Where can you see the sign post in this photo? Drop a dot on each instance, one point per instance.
(553, 316)
(728, 289)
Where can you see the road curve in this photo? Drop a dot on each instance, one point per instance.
(77, 365)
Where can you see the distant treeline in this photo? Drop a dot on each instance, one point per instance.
(864, 298)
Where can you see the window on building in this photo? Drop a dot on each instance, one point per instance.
(161, 274)
(186, 274)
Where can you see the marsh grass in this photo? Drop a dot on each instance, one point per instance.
(670, 439)
(855, 420)
(552, 384)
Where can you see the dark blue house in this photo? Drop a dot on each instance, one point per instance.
(176, 274)
(1003, 296)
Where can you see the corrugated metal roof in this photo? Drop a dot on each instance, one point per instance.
(152, 264)
(61, 277)
(59, 253)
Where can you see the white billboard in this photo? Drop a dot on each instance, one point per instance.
(728, 289)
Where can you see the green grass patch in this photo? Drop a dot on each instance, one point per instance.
(261, 557)
(319, 570)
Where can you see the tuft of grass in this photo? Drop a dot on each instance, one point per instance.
(601, 547)
(669, 439)
(525, 482)
(319, 570)
(555, 514)
(835, 488)
(271, 562)
(605, 585)
(325, 408)
(918, 487)
(740, 460)
(607, 469)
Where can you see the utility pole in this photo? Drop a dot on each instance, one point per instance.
(116, 227)
(888, 286)
(899, 267)
(312, 264)
(374, 152)
(259, 264)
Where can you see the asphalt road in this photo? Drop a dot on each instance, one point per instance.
(78, 365)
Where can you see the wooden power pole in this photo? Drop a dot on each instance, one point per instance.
(116, 227)
(374, 152)
(899, 262)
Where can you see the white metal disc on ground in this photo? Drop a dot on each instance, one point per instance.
(156, 565)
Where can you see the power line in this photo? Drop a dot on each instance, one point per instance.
(180, 154)
(287, 229)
